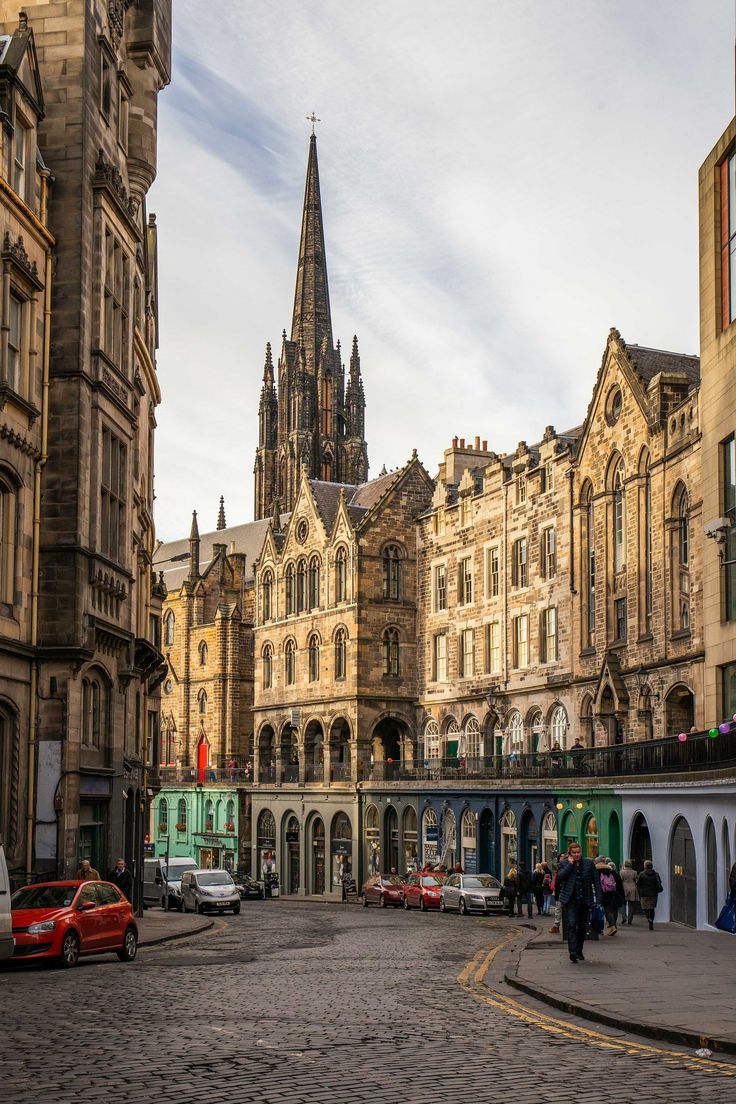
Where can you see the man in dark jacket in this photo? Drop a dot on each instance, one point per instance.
(123, 879)
(524, 889)
(579, 891)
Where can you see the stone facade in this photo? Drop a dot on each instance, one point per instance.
(316, 421)
(102, 65)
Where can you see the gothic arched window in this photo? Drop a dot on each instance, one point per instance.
(267, 596)
(301, 586)
(392, 573)
(391, 652)
(169, 628)
(340, 653)
(341, 574)
(267, 657)
(314, 582)
(290, 662)
(203, 653)
(619, 518)
(313, 658)
(290, 589)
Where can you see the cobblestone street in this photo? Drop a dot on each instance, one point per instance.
(306, 1003)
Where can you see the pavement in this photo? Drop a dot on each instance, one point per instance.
(673, 984)
(158, 926)
(304, 1004)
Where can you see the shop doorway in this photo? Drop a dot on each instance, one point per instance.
(683, 885)
(342, 850)
(392, 839)
(292, 852)
(209, 858)
(318, 856)
(92, 834)
(486, 839)
(641, 843)
(614, 838)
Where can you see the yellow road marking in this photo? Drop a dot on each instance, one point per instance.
(478, 967)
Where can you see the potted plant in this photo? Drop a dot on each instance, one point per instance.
(163, 829)
(229, 826)
(181, 827)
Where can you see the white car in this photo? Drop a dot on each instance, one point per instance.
(209, 891)
(471, 893)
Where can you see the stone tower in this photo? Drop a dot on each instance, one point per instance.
(314, 420)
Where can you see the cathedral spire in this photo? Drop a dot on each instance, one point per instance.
(311, 321)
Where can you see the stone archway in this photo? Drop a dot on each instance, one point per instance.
(314, 752)
(392, 748)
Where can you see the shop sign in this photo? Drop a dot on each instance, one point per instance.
(341, 849)
(470, 857)
(432, 833)
(212, 841)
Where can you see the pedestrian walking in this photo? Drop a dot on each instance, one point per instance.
(557, 921)
(524, 890)
(649, 885)
(579, 891)
(612, 892)
(510, 889)
(87, 872)
(631, 896)
(538, 888)
(123, 879)
(548, 893)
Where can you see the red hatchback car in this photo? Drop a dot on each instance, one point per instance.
(63, 920)
(383, 890)
(422, 891)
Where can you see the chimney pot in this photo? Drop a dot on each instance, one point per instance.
(454, 442)
(485, 446)
(462, 442)
(477, 443)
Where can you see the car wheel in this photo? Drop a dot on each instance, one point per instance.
(200, 908)
(422, 906)
(236, 910)
(406, 904)
(463, 907)
(382, 900)
(129, 949)
(443, 906)
(70, 950)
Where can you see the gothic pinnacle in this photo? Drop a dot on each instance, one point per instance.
(221, 523)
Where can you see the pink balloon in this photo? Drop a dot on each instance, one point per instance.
(682, 737)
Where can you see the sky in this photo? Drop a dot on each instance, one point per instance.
(502, 181)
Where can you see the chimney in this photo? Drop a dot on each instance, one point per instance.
(454, 442)
(485, 446)
(462, 442)
(477, 443)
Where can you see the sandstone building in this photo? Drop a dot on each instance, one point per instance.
(315, 420)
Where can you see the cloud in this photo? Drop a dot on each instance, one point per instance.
(501, 183)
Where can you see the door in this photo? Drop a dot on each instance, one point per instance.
(683, 886)
(319, 866)
(112, 915)
(202, 758)
(293, 866)
(452, 892)
(89, 921)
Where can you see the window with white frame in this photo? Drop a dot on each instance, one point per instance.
(521, 641)
(439, 672)
(493, 572)
(21, 157)
(515, 730)
(440, 587)
(15, 341)
(473, 737)
(465, 581)
(466, 510)
(432, 740)
(549, 476)
(519, 568)
(549, 552)
(493, 648)
(548, 635)
(466, 659)
(521, 490)
(558, 727)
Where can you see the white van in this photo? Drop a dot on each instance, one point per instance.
(7, 943)
(154, 880)
(209, 891)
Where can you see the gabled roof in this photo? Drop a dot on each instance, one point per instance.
(648, 363)
(173, 557)
(18, 60)
(327, 499)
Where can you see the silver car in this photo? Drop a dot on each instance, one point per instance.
(209, 891)
(471, 893)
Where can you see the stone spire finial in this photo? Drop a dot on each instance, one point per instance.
(221, 523)
(194, 549)
(311, 321)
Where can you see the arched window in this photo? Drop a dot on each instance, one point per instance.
(515, 738)
(290, 663)
(509, 842)
(163, 817)
(648, 561)
(587, 554)
(473, 737)
(168, 628)
(8, 541)
(391, 652)
(313, 658)
(392, 573)
(290, 589)
(469, 841)
(301, 586)
(203, 653)
(586, 722)
(267, 656)
(267, 596)
(209, 816)
(314, 582)
(341, 558)
(681, 558)
(230, 816)
(558, 726)
(431, 741)
(181, 815)
(619, 518)
(430, 836)
(549, 838)
(341, 658)
(94, 712)
(202, 701)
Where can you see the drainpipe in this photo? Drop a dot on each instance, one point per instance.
(39, 466)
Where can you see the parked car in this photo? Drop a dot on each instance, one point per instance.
(472, 892)
(383, 890)
(63, 920)
(7, 943)
(156, 883)
(209, 891)
(422, 891)
(249, 888)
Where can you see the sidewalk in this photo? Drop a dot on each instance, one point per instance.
(674, 983)
(158, 926)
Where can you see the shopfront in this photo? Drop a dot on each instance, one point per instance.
(266, 843)
(341, 846)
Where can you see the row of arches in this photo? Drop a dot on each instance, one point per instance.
(310, 856)
(472, 740)
(217, 816)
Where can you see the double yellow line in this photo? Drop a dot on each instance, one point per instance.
(471, 979)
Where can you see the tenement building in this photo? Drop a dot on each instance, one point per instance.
(315, 420)
(79, 86)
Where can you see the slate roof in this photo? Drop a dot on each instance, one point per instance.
(247, 538)
(360, 499)
(650, 362)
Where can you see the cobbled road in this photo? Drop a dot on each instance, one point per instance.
(313, 1004)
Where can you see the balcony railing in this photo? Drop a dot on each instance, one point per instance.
(699, 752)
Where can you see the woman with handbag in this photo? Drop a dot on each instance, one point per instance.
(628, 879)
(510, 889)
(649, 885)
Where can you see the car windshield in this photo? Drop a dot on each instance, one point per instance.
(214, 877)
(42, 897)
(483, 881)
(430, 881)
(392, 880)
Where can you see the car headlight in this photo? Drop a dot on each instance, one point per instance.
(42, 926)
(475, 897)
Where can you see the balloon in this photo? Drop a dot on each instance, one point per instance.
(734, 717)
(712, 732)
(389, 760)
(682, 737)
(724, 728)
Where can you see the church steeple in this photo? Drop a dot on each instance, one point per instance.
(311, 321)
